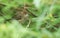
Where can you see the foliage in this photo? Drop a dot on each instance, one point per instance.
(29, 18)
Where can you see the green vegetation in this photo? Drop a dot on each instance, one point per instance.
(29, 18)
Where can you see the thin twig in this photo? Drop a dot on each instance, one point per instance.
(28, 24)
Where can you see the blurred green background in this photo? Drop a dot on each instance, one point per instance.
(29, 18)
